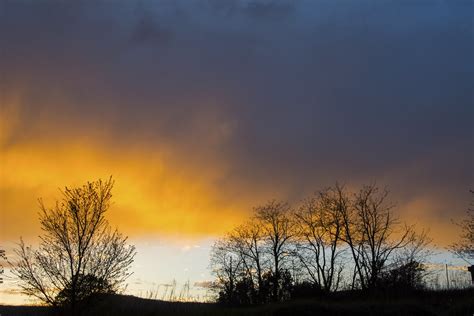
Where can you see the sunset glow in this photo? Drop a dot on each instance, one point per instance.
(201, 112)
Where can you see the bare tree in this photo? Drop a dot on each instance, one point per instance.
(406, 269)
(465, 247)
(79, 254)
(226, 265)
(373, 233)
(278, 228)
(2, 257)
(247, 241)
(321, 224)
(261, 259)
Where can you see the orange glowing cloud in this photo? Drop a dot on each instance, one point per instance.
(150, 195)
(160, 189)
(154, 193)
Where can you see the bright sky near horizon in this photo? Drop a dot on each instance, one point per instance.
(201, 110)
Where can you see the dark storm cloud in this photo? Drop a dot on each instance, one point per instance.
(148, 30)
(304, 93)
(253, 8)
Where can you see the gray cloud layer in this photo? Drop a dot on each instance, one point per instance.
(293, 93)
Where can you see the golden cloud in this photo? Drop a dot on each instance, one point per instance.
(153, 192)
(159, 189)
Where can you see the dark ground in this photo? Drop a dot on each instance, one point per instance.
(454, 302)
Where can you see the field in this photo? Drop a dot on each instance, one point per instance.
(454, 302)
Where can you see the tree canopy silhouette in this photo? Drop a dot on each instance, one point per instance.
(335, 238)
(79, 253)
(3, 257)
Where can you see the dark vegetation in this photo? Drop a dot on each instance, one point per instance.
(452, 302)
(2, 257)
(335, 240)
(80, 256)
(338, 253)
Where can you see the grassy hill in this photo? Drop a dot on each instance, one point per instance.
(454, 302)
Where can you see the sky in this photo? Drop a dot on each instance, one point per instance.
(203, 109)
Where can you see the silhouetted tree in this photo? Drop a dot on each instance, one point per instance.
(265, 258)
(283, 282)
(87, 287)
(373, 234)
(2, 257)
(408, 276)
(247, 241)
(245, 290)
(465, 247)
(279, 229)
(321, 224)
(406, 270)
(79, 254)
(249, 261)
(226, 265)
